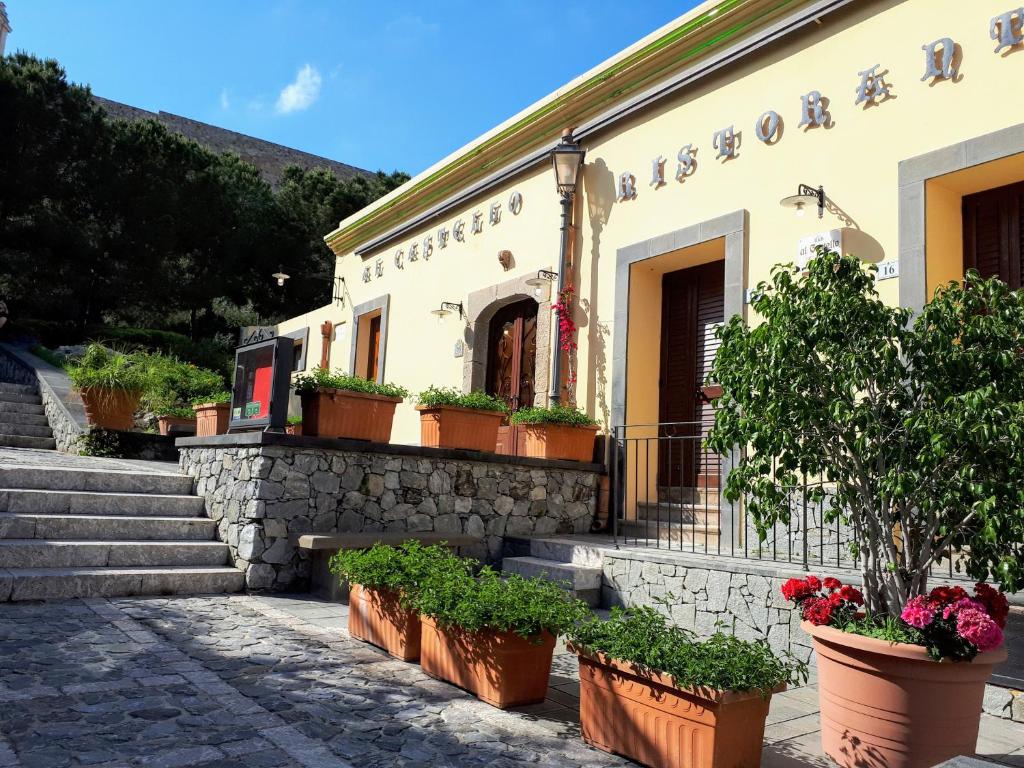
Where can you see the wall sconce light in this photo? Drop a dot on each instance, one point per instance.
(542, 277)
(447, 307)
(280, 276)
(339, 291)
(805, 196)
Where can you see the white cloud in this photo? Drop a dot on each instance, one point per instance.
(300, 94)
(225, 100)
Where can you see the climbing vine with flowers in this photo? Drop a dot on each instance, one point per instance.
(563, 309)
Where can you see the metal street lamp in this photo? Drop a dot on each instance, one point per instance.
(280, 276)
(447, 307)
(566, 159)
(805, 195)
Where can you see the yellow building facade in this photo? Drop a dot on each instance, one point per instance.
(905, 113)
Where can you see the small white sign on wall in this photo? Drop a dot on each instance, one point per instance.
(460, 348)
(806, 246)
(887, 270)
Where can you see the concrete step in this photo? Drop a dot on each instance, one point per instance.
(51, 502)
(18, 389)
(20, 441)
(701, 496)
(41, 553)
(703, 539)
(64, 583)
(30, 398)
(684, 514)
(105, 528)
(9, 407)
(25, 430)
(34, 419)
(566, 551)
(106, 481)
(582, 581)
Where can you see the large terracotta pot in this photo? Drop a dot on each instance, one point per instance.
(890, 704)
(110, 408)
(646, 717)
(177, 425)
(447, 426)
(377, 617)
(501, 668)
(559, 441)
(355, 415)
(212, 419)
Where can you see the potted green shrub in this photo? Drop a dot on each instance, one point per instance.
(172, 386)
(212, 413)
(558, 432)
(651, 691)
(491, 635)
(451, 419)
(111, 384)
(913, 427)
(383, 584)
(340, 405)
(294, 426)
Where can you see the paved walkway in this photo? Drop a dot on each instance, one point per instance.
(251, 681)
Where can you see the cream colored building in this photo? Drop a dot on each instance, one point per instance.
(903, 111)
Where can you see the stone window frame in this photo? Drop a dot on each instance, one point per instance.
(481, 306)
(382, 303)
(914, 175)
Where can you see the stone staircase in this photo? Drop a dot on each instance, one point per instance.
(69, 531)
(574, 564)
(680, 516)
(22, 420)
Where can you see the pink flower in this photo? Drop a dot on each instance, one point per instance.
(964, 603)
(918, 612)
(977, 627)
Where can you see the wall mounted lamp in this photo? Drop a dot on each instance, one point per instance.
(280, 276)
(542, 277)
(447, 307)
(804, 197)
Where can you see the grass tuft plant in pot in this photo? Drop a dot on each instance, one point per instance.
(493, 636)
(451, 419)
(558, 432)
(383, 584)
(906, 430)
(111, 384)
(212, 413)
(340, 405)
(652, 692)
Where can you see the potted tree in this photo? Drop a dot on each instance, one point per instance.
(383, 583)
(653, 693)
(111, 384)
(212, 413)
(451, 419)
(912, 427)
(558, 432)
(340, 405)
(493, 636)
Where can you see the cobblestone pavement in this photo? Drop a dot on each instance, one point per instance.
(38, 457)
(239, 681)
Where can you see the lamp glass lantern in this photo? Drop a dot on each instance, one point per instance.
(446, 308)
(280, 276)
(542, 278)
(805, 197)
(567, 159)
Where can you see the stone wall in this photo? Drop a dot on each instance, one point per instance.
(13, 371)
(265, 490)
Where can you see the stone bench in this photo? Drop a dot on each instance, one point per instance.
(322, 546)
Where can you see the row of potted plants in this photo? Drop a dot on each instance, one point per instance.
(648, 690)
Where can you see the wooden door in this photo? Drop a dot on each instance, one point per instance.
(692, 307)
(373, 348)
(992, 233)
(512, 353)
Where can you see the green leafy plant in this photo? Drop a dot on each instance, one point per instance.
(322, 378)
(915, 423)
(294, 419)
(454, 598)
(218, 398)
(556, 414)
(101, 368)
(481, 401)
(644, 637)
(47, 354)
(172, 386)
(401, 569)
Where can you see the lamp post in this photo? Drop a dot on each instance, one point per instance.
(566, 159)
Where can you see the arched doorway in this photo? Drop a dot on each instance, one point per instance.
(512, 354)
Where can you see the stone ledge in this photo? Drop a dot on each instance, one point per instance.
(259, 439)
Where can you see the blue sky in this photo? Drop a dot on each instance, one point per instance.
(392, 85)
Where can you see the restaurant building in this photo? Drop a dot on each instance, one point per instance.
(732, 139)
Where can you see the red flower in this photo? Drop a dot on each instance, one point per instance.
(831, 582)
(814, 582)
(995, 602)
(797, 590)
(851, 594)
(947, 594)
(817, 610)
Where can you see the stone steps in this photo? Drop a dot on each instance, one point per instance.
(48, 553)
(16, 525)
(30, 397)
(18, 389)
(32, 419)
(20, 441)
(574, 566)
(686, 514)
(84, 480)
(25, 430)
(8, 406)
(63, 583)
(51, 502)
(680, 533)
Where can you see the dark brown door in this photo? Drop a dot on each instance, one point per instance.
(373, 348)
(512, 352)
(692, 307)
(992, 233)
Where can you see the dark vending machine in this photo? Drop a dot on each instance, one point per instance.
(259, 399)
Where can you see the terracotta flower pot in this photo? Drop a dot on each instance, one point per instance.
(447, 426)
(110, 408)
(293, 429)
(176, 424)
(501, 668)
(377, 617)
(355, 415)
(559, 441)
(890, 704)
(646, 717)
(212, 419)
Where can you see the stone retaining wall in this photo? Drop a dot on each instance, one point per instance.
(264, 490)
